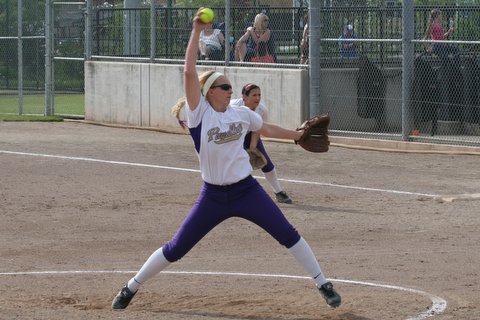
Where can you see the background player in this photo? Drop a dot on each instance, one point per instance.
(251, 96)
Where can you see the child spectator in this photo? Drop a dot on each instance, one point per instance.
(348, 49)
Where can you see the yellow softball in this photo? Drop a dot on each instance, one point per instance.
(206, 15)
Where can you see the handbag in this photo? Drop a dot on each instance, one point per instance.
(263, 59)
(266, 58)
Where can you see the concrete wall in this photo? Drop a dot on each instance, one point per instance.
(140, 94)
(136, 94)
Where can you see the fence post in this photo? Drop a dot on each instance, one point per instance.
(407, 66)
(153, 31)
(20, 57)
(169, 28)
(314, 57)
(48, 58)
(131, 28)
(227, 32)
(88, 30)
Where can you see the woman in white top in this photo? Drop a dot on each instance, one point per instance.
(211, 42)
(218, 131)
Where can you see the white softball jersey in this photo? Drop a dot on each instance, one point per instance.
(218, 139)
(261, 109)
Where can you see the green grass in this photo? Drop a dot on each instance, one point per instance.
(64, 104)
(13, 117)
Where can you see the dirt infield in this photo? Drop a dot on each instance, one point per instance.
(82, 207)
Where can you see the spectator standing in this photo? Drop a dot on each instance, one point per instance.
(348, 49)
(435, 32)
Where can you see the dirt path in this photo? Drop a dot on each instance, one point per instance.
(83, 206)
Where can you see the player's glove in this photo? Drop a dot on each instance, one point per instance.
(315, 134)
(257, 159)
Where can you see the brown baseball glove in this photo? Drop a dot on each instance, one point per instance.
(315, 134)
(257, 159)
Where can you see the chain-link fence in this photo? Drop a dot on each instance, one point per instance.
(361, 59)
(23, 52)
(68, 57)
(22, 70)
(442, 104)
(127, 32)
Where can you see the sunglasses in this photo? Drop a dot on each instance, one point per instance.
(224, 86)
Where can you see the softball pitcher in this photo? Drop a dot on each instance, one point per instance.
(218, 131)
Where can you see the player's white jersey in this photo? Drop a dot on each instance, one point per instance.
(261, 109)
(219, 138)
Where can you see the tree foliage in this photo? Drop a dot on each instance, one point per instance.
(199, 3)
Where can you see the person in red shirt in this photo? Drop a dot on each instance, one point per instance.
(436, 33)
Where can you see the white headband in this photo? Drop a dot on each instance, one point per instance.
(214, 76)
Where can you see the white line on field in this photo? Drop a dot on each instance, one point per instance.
(438, 304)
(134, 164)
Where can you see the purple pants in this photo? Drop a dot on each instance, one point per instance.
(245, 199)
